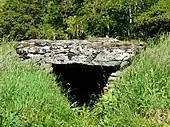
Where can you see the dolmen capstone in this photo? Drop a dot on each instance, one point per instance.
(107, 52)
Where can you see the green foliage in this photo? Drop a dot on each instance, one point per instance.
(29, 96)
(25, 19)
(142, 93)
(20, 19)
(80, 19)
(62, 15)
(154, 20)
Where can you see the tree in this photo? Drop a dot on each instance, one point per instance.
(70, 19)
(20, 19)
(154, 20)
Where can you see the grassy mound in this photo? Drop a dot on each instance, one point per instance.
(141, 96)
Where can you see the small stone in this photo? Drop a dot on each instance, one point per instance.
(115, 74)
(32, 44)
(47, 55)
(65, 46)
(35, 57)
(46, 48)
(124, 64)
(105, 89)
(33, 50)
(111, 78)
(41, 51)
(30, 55)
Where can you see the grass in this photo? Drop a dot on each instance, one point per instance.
(141, 96)
(29, 95)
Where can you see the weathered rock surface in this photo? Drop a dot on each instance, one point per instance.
(96, 52)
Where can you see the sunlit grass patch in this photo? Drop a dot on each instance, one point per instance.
(29, 96)
(144, 85)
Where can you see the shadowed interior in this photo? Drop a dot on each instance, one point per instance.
(82, 83)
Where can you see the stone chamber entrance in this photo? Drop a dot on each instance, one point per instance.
(82, 84)
(82, 67)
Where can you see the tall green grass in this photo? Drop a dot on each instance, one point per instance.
(30, 97)
(141, 96)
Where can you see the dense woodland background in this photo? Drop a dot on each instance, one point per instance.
(80, 19)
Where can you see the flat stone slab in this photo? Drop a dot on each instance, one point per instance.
(96, 52)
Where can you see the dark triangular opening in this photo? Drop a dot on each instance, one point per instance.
(82, 83)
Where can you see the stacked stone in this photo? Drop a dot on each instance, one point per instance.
(97, 52)
(111, 79)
